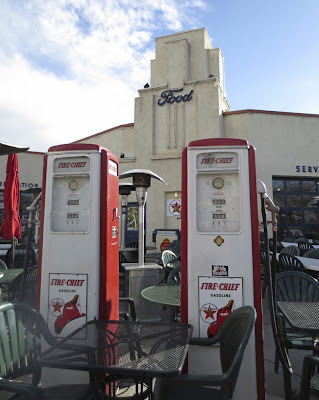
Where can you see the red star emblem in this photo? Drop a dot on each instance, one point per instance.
(57, 307)
(209, 313)
(176, 207)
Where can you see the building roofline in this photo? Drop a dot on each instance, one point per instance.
(34, 152)
(182, 32)
(106, 131)
(251, 111)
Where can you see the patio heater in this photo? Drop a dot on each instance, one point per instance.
(125, 189)
(138, 276)
(141, 181)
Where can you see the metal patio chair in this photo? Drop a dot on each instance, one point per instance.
(20, 334)
(304, 247)
(295, 286)
(293, 250)
(30, 287)
(170, 261)
(313, 253)
(232, 336)
(288, 262)
(309, 381)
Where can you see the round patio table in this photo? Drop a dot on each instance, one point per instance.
(166, 295)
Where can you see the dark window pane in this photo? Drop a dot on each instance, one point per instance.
(279, 200)
(310, 217)
(278, 185)
(293, 201)
(293, 186)
(308, 186)
(309, 200)
(282, 218)
(294, 217)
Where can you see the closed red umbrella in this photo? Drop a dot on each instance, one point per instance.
(11, 226)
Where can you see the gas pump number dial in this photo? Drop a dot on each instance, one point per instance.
(74, 185)
(218, 183)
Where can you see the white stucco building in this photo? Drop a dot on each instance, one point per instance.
(186, 101)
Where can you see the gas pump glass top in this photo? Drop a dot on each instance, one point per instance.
(218, 193)
(70, 207)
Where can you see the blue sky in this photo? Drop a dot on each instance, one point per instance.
(69, 69)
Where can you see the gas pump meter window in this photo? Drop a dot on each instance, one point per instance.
(218, 199)
(71, 192)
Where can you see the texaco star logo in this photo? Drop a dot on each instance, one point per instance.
(219, 240)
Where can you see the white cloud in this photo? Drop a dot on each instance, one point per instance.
(71, 68)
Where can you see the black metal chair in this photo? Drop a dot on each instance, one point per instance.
(293, 250)
(301, 240)
(131, 315)
(304, 247)
(19, 256)
(30, 286)
(122, 259)
(295, 286)
(170, 261)
(309, 381)
(232, 336)
(279, 245)
(134, 254)
(313, 253)
(288, 262)
(20, 334)
(174, 277)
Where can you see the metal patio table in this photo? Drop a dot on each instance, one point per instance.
(303, 316)
(123, 349)
(166, 295)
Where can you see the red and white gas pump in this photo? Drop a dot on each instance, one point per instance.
(220, 252)
(79, 242)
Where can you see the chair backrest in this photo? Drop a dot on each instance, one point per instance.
(271, 245)
(21, 328)
(296, 286)
(304, 247)
(174, 277)
(288, 262)
(233, 336)
(30, 286)
(293, 250)
(301, 240)
(289, 239)
(19, 256)
(122, 259)
(313, 253)
(175, 247)
(3, 265)
(263, 257)
(167, 257)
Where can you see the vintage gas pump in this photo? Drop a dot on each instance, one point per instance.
(79, 242)
(220, 252)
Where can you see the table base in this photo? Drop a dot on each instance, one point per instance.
(116, 387)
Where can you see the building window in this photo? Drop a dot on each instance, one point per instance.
(298, 200)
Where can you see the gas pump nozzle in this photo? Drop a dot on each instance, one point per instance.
(273, 209)
(261, 187)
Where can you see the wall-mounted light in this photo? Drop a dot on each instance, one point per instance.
(176, 194)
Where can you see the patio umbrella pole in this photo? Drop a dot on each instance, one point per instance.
(13, 245)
